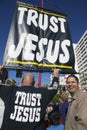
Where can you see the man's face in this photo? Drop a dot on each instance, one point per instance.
(72, 85)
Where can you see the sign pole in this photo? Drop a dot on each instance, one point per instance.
(40, 74)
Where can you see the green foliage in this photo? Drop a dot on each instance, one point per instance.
(56, 98)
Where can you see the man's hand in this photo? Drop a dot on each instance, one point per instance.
(1, 68)
(55, 73)
(55, 79)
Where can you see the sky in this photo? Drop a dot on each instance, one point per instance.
(76, 11)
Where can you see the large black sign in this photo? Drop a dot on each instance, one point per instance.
(39, 40)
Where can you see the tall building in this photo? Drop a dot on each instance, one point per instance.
(81, 57)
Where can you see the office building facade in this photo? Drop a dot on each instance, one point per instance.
(81, 57)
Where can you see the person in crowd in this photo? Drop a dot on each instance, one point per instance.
(61, 107)
(48, 110)
(77, 111)
(3, 75)
(25, 106)
(54, 119)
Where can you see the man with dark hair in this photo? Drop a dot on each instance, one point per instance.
(77, 111)
(25, 106)
(54, 119)
(76, 78)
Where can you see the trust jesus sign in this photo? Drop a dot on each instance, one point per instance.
(39, 40)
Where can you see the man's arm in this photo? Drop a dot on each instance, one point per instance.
(53, 88)
(1, 69)
(55, 81)
(82, 113)
(4, 89)
(3, 74)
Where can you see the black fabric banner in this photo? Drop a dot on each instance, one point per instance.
(39, 40)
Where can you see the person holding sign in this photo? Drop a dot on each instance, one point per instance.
(25, 106)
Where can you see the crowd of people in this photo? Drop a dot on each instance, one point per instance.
(61, 107)
(27, 107)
